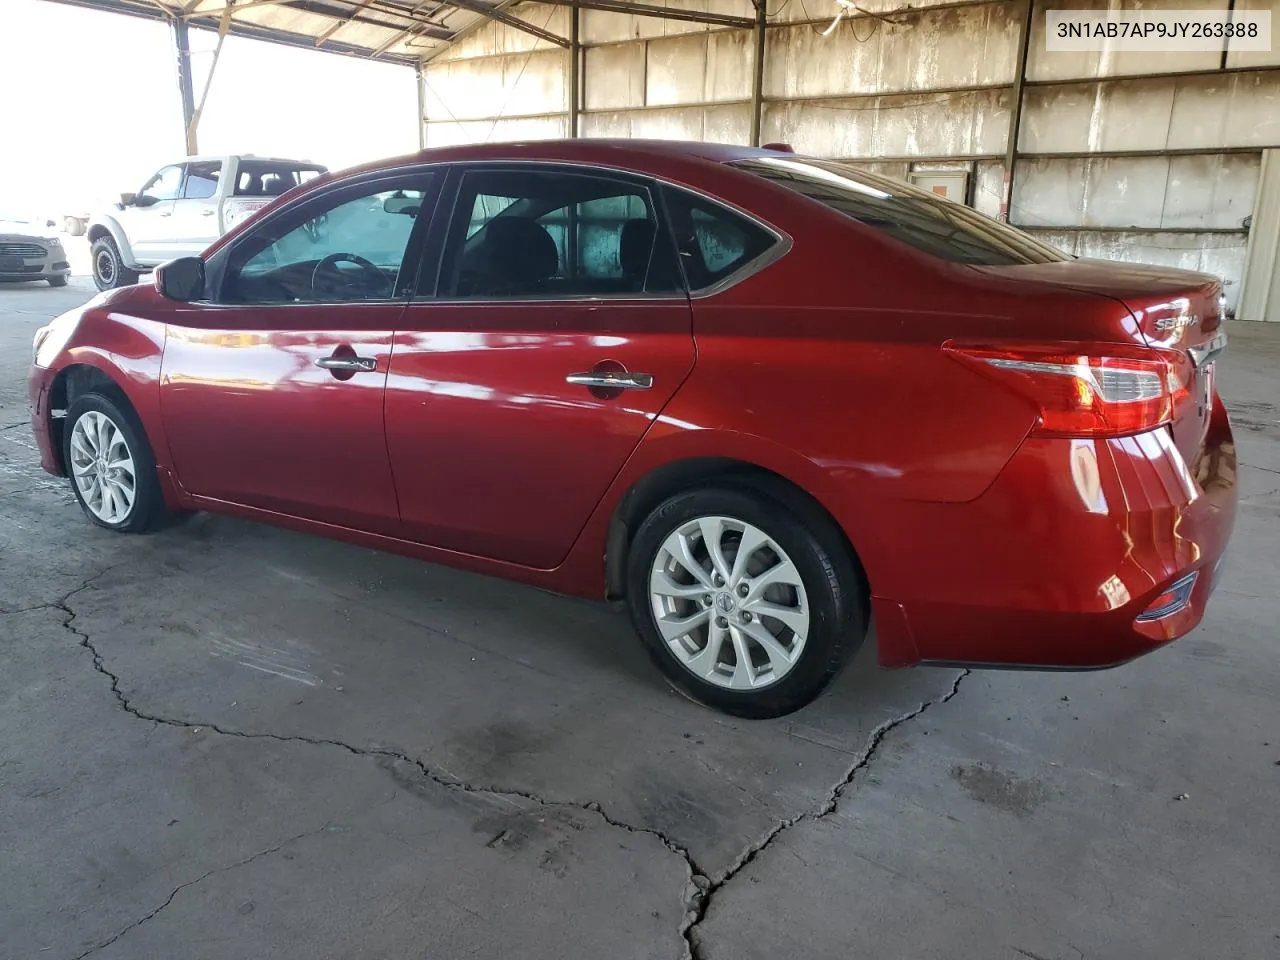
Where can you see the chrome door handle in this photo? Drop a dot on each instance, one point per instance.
(347, 363)
(166, 214)
(611, 380)
(206, 213)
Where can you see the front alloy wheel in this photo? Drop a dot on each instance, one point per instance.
(112, 468)
(103, 468)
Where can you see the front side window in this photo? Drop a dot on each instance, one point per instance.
(950, 231)
(202, 180)
(351, 248)
(163, 186)
(714, 242)
(547, 234)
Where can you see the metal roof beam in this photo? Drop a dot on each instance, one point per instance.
(653, 10)
(492, 12)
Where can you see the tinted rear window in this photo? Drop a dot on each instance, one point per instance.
(949, 231)
(271, 178)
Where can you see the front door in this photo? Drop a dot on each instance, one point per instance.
(272, 394)
(559, 331)
(148, 221)
(195, 212)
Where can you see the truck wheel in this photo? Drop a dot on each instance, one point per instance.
(109, 270)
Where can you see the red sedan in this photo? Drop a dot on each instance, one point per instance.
(766, 400)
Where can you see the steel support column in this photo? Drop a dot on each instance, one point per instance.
(422, 106)
(182, 45)
(575, 70)
(757, 83)
(1015, 110)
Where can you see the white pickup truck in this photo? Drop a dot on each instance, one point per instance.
(184, 208)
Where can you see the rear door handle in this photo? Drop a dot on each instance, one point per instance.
(348, 363)
(611, 380)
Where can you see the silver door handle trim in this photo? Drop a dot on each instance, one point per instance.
(611, 380)
(206, 213)
(347, 363)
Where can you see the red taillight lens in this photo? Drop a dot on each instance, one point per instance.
(1085, 390)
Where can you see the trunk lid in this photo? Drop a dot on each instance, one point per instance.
(1177, 310)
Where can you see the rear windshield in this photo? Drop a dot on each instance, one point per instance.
(271, 178)
(950, 231)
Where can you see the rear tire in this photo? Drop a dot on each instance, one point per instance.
(109, 270)
(111, 466)
(707, 631)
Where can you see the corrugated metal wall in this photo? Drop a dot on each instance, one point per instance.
(1151, 156)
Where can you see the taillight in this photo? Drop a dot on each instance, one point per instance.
(1085, 390)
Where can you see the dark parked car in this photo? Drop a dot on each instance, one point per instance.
(767, 400)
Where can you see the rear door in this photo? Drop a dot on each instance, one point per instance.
(195, 212)
(522, 382)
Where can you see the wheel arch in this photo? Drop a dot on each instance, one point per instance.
(678, 476)
(110, 227)
(74, 380)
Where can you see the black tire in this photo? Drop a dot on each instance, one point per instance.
(832, 583)
(148, 510)
(58, 281)
(109, 270)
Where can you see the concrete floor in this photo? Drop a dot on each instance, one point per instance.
(230, 741)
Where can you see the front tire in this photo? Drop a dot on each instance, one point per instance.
(756, 634)
(58, 281)
(111, 466)
(109, 270)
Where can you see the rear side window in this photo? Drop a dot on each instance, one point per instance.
(715, 243)
(271, 178)
(949, 231)
(544, 233)
(202, 179)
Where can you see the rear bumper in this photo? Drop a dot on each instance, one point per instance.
(1052, 566)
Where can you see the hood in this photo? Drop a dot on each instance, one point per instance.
(21, 229)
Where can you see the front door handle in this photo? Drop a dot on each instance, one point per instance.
(348, 363)
(611, 380)
(206, 213)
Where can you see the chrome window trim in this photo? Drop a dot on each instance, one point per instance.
(782, 246)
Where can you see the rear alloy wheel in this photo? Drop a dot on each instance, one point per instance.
(113, 473)
(742, 607)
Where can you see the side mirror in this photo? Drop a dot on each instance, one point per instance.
(142, 200)
(181, 279)
(50, 223)
(128, 199)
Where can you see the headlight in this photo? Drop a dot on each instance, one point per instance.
(41, 335)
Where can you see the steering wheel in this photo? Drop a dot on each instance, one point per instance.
(377, 282)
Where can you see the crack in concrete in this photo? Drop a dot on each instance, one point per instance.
(191, 883)
(700, 888)
(825, 809)
(15, 426)
(692, 889)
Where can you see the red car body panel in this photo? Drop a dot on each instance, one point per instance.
(506, 458)
(982, 541)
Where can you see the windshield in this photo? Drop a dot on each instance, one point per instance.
(949, 231)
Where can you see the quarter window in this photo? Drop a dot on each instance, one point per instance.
(714, 242)
(349, 251)
(547, 234)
